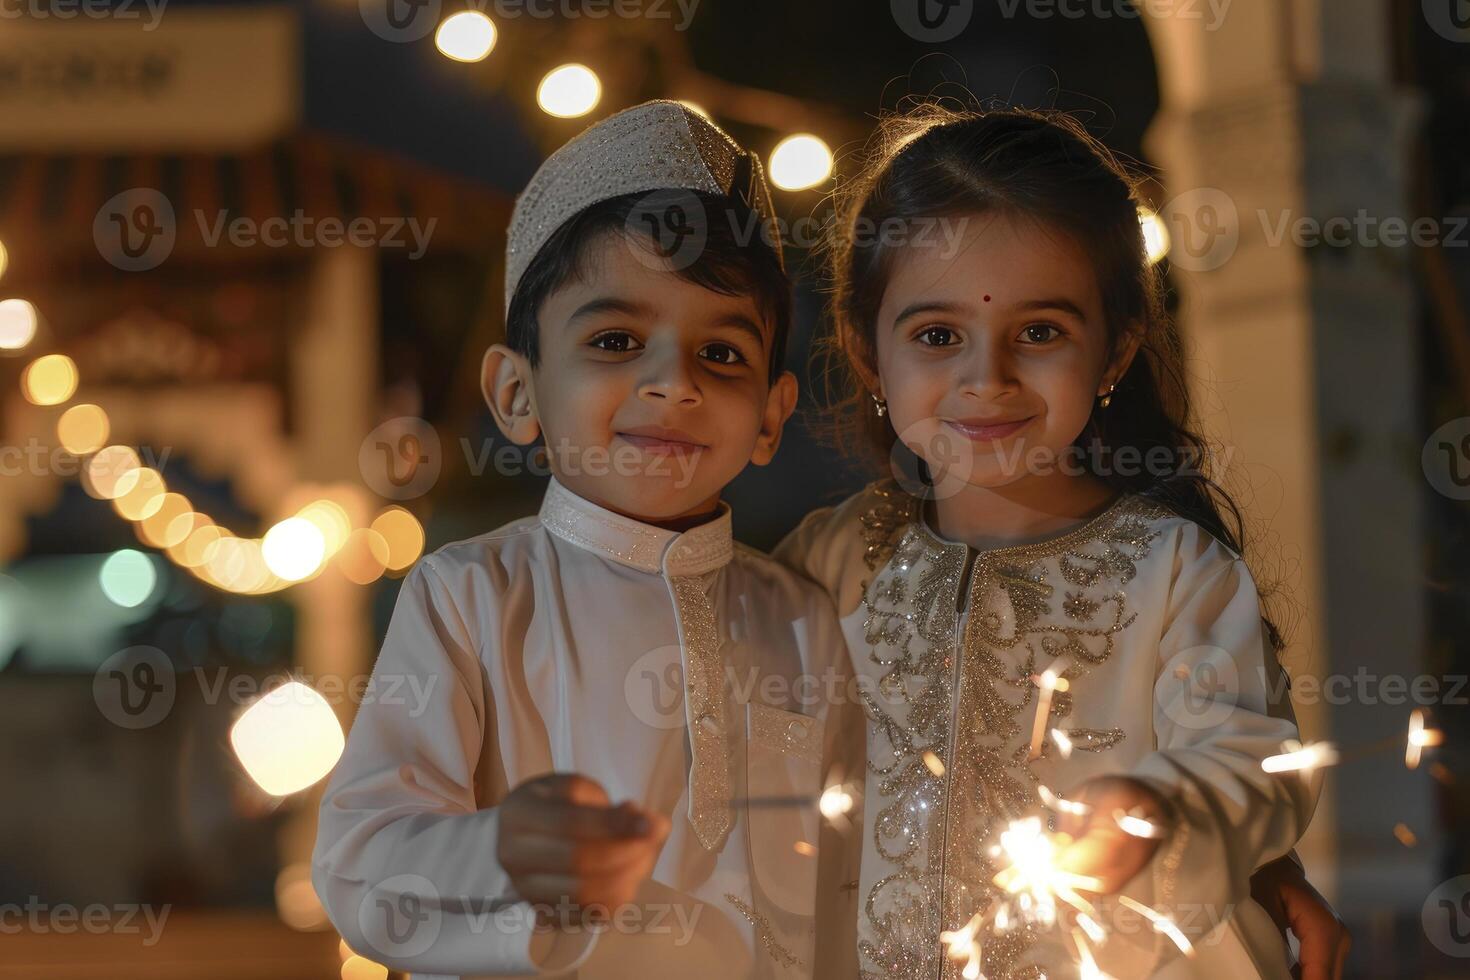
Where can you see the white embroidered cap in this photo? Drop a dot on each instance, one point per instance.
(656, 146)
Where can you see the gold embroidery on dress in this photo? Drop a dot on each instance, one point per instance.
(764, 934)
(934, 828)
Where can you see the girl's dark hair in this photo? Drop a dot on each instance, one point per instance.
(934, 162)
(719, 246)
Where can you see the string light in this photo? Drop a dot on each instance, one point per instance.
(17, 323)
(467, 36)
(1156, 240)
(799, 162)
(569, 91)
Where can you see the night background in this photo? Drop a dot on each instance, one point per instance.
(249, 378)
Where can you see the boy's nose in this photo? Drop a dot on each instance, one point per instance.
(671, 380)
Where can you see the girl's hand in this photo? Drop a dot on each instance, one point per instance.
(1101, 848)
(1281, 887)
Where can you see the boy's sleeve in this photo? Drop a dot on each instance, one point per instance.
(405, 860)
(1214, 723)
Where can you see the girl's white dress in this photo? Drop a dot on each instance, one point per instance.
(1157, 627)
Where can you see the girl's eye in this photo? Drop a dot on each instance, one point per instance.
(1031, 333)
(936, 337)
(722, 354)
(615, 341)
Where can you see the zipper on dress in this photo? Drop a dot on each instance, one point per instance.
(957, 645)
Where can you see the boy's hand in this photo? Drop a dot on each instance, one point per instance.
(1282, 889)
(1101, 848)
(560, 840)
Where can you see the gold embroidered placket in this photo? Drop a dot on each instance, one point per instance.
(704, 693)
(942, 699)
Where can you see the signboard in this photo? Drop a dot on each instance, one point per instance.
(142, 75)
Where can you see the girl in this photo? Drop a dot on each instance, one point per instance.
(1058, 603)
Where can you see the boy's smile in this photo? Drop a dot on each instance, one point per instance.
(651, 392)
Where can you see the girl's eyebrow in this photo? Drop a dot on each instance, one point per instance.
(1056, 303)
(930, 306)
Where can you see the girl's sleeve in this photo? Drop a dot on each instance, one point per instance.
(405, 861)
(1215, 720)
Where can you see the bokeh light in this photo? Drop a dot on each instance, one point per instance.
(104, 473)
(50, 379)
(139, 493)
(466, 36)
(127, 577)
(294, 549)
(288, 739)
(83, 429)
(17, 324)
(800, 161)
(569, 91)
(403, 534)
(1155, 234)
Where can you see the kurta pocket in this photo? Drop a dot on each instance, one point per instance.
(784, 776)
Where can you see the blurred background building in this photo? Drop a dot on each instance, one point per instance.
(250, 256)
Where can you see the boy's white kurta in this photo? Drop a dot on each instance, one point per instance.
(1157, 627)
(582, 641)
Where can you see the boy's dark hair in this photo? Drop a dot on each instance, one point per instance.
(730, 257)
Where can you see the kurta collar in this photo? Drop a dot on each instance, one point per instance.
(633, 543)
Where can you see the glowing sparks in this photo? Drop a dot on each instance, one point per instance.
(1032, 874)
(964, 944)
(1138, 826)
(1301, 758)
(1047, 682)
(836, 801)
(1063, 743)
(1161, 924)
(1060, 804)
(1420, 738)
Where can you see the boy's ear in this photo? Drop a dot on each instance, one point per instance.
(505, 380)
(780, 403)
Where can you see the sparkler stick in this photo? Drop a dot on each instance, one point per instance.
(1048, 681)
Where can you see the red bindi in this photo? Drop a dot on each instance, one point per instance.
(987, 297)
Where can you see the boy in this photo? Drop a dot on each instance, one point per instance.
(618, 765)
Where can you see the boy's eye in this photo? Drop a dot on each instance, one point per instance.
(936, 337)
(616, 341)
(1036, 333)
(722, 354)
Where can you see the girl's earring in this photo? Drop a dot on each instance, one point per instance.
(880, 405)
(1108, 398)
